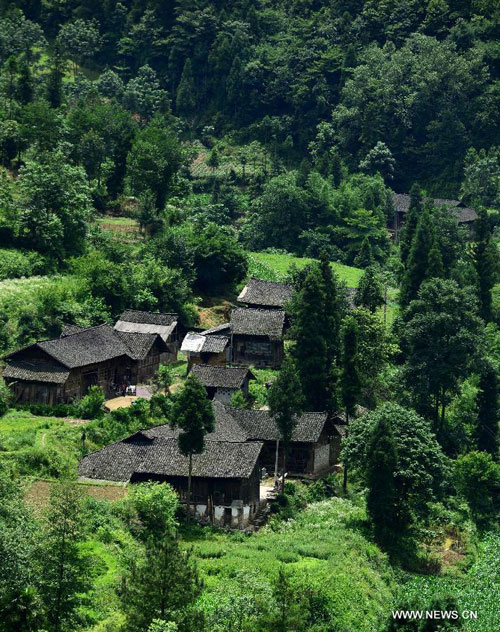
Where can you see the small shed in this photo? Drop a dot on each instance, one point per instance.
(223, 382)
(202, 349)
(167, 326)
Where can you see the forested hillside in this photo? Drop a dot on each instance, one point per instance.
(158, 158)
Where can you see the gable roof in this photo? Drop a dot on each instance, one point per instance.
(219, 329)
(259, 424)
(134, 321)
(265, 293)
(221, 376)
(226, 428)
(155, 451)
(71, 329)
(148, 318)
(139, 345)
(89, 346)
(463, 213)
(198, 343)
(36, 372)
(258, 322)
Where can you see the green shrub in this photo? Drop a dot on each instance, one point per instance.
(17, 263)
(46, 410)
(91, 406)
(5, 397)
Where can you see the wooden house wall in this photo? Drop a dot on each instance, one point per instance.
(211, 359)
(147, 367)
(221, 491)
(257, 351)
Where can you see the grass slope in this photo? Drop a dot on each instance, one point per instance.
(274, 267)
(321, 552)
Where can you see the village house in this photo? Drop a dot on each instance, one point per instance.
(225, 477)
(465, 215)
(166, 326)
(257, 337)
(62, 370)
(222, 382)
(200, 348)
(315, 444)
(265, 294)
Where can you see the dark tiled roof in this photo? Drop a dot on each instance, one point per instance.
(198, 343)
(220, 376)
(258, 322)
(90, 346)
(148, 318)
(36, 372)
(215, 344)
(71, 329)
(462, 213)
(226, 428)
(260, 425)
(138, 344)
(161, 456)
(225, 327)
(266, 293)
(341, 429)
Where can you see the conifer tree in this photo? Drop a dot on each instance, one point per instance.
(487, 430)
(485, 261)
(25, 88)
(412, 217)
(55, 77)
(351, 375)
(435, 267)
(416, 269)
(380, 469)
(364, 258)
(192, 412)
(285, 405)
(185, 102)
(62, 565)
(369, 293)
(311, 350)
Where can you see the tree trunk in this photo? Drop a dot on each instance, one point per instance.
(276, 459)
(189, 482)
(285, 448)
(344, 483)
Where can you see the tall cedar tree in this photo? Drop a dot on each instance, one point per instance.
(285, 404)
(331, 329)
(364, 258)
(185, 101)
(162, 584)
(412, 217)
(380, 470)
(418, 260)
(62, 566)
(192, 412)
(25, 88)
(55, 77)
(441, 341)
(311, 349)
(351, 374)
(435, 267)
(485, 261)
(487, 430)
(370, 293)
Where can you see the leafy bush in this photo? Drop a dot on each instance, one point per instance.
(5, 397)
(91, 405)
(18, 263)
